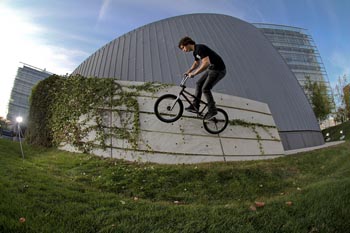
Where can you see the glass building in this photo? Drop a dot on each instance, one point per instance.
(299, 51)
(27, 76)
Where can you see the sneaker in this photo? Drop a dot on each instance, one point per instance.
(210, 115)
(191, 108)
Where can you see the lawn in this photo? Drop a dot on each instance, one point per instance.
(56, 191)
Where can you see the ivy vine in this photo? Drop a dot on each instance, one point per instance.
(253, 127)
(66, 105)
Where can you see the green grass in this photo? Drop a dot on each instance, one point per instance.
(57, 191)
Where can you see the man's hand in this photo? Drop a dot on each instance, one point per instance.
(191, 75)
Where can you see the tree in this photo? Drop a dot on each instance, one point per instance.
(340, 115)
(317, 93)
(3, 124)
(339, 89)
(346, 93)
(342, 95)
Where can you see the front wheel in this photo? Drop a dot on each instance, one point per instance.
(217, 124)
(168, 109)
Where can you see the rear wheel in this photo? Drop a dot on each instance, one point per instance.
(218, 123)
(168, 109)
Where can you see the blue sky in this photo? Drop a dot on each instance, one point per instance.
(60, 34)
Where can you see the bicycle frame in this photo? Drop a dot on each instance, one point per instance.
(165, 112)
(186, 95)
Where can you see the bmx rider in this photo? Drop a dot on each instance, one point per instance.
(209, 62)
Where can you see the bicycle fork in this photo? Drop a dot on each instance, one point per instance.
(174, 103)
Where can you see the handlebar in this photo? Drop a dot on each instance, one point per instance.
(184, 79)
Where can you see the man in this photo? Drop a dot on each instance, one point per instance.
(209, 62)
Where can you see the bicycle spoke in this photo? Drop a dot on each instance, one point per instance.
(168, 108)
(217, 124)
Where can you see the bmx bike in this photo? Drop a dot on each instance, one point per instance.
(169, 108)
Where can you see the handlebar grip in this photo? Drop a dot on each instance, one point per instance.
(184, 79)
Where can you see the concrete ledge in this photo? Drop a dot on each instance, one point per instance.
(164, 158)
(328, 144)
(185, 141)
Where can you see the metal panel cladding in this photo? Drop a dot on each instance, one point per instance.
(255, 70)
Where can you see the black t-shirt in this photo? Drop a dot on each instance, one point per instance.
(201, 51)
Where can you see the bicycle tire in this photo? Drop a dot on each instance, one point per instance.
(217, 124)
(163, 111)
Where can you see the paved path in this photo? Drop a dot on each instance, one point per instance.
(328, 144)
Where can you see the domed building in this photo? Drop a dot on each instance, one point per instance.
(255, 70)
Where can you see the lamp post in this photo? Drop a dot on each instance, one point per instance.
(328, 138)
(342, 136)
(19, 120)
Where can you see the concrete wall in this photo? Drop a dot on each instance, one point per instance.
(186, 141)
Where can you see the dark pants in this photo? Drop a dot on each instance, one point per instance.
(204, 85)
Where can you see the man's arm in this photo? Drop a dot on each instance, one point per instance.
(204, 65)
(193, 67)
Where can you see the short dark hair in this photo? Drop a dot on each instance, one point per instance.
(186, 41)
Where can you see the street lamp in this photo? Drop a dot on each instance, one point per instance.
(19, 120)
(342, 136)
(328, 138)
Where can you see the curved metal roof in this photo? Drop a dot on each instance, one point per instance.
(255, 70)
